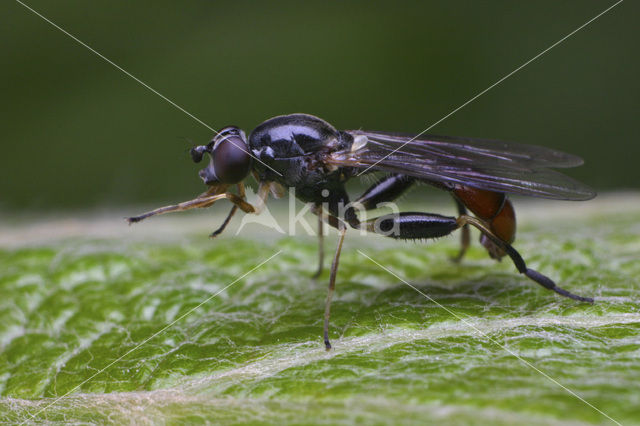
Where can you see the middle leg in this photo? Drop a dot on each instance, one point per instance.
(384, 190)
(320, 246)
(465, 234)
(332, 286)
(341, 226)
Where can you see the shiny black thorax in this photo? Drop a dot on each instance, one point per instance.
(295, 146)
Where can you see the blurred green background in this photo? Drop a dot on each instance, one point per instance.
(77, 133)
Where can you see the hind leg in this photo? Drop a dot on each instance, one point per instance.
(383, 191)
(412, 226)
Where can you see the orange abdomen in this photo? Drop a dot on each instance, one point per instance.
(494, 208)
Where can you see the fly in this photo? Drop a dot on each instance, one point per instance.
(304, 152)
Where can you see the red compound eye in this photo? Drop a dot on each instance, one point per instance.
(231, 160)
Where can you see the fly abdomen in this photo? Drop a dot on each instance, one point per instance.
(496, 210)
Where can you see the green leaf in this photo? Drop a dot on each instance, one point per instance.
(78, 316)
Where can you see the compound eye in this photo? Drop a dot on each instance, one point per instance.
(231, 159)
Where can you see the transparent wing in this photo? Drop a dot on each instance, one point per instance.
(486, 164)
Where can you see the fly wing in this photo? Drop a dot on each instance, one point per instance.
(486, 164)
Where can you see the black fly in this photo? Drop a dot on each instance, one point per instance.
(306, 153)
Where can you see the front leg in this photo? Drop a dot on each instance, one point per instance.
(196, 203)
(222, 227)
(207, 199)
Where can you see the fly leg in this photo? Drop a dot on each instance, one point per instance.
(337, 201)
(465, 234)
(202, 201)
(412, 226)
(318, 211)
(330, 220)
(222, 227)
(332, 285)
(391, 187)
(196, 203)
(337, 223)
(519, 263)
(385, 190)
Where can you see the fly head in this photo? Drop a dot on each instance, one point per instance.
(230, 159)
